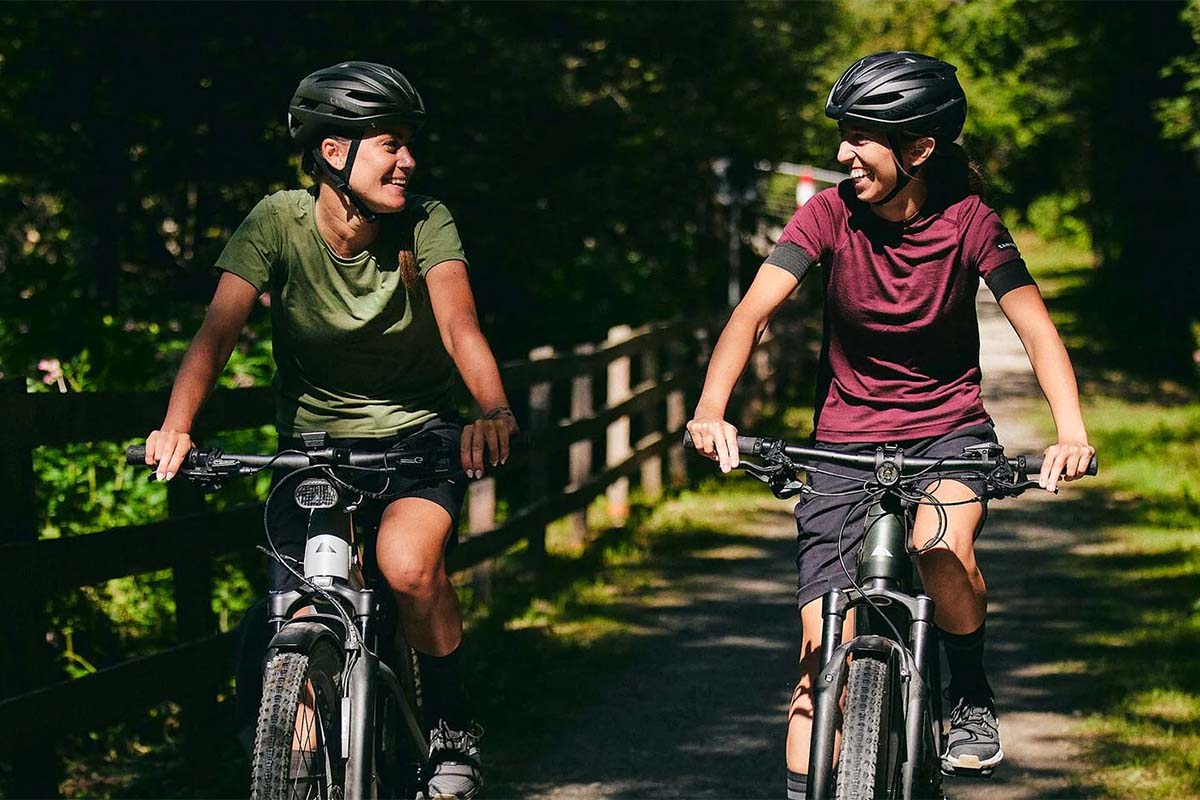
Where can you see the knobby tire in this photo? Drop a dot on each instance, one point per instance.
(863, 768)
(285, 718)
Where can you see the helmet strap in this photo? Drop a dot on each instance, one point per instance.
(341, 178)
(902, 176)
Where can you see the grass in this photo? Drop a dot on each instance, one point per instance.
(1136, 663)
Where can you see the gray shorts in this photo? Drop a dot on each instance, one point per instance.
(819, 519)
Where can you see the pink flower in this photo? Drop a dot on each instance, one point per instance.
(53, 369)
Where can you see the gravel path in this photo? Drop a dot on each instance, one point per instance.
(700, 714)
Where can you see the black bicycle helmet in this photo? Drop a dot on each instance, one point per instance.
(902, 93)
(347, 100)
(351, 97)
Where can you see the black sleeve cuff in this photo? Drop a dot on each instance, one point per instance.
(1006, 277)
(792, 258)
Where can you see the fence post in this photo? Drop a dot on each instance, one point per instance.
(481, 518)
(579, 454)
(539, 467)
(25, 660)
(617, 438)
(679, 362)
(192, 586)
(676, 418)
(651, 468)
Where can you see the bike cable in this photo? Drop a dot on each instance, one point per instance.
(350, 626)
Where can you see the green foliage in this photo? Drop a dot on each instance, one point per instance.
(1060, 217)
(1180, 115)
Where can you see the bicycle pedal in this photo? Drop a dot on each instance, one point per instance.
(966, 770)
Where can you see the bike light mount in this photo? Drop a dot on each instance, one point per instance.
(889, 465)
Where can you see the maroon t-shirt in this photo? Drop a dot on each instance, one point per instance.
(900, 358)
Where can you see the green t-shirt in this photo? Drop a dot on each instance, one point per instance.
(356, 353)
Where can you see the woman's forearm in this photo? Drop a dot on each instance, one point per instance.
(477, 365)
(204, 361)
(1056, 376)
(728, 361)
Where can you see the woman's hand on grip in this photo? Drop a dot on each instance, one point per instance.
(716, 439)
(166, 449)
(1067, 461)
(487, 440)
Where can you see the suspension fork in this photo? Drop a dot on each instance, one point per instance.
(826, 694)
(358, 720)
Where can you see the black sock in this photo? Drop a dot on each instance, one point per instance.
(444, 690)
(797, 786)
(964, 653)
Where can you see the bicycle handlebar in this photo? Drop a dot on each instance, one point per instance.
(433, 459)
(754, 446)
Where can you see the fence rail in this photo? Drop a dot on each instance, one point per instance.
(611, 411)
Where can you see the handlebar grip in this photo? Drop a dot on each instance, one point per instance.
(136, 454)
(1034, 464)
(745, 444)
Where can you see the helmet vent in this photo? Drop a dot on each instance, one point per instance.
(883, 99)
(366, 97)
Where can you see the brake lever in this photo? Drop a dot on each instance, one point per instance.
(1001, 491)
(779, 479)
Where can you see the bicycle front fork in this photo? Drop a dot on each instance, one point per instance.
(831, 680)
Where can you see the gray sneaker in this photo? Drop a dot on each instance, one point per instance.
(973, 745)
(456, 769)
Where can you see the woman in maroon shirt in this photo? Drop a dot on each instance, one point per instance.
(902, 245)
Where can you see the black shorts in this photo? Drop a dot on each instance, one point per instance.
(289, 523)
(819, 519)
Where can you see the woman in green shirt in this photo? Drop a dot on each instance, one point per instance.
(372, 312)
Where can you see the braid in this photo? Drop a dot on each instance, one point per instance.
(408, 267)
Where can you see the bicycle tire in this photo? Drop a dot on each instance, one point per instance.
(285, 718)
(863, 769)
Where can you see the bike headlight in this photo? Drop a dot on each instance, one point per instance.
(887, 473)
(316, 493)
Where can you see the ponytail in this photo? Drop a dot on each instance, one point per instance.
(952, 175)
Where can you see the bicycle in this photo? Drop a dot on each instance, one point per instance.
(891, 724)
(336, 722)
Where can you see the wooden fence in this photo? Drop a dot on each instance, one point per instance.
(595, 417)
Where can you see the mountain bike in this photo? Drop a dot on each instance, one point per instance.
(336, 722)
(891, 720)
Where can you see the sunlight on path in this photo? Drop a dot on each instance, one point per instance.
(701, 712)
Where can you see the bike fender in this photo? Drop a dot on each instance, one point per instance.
(301, 634)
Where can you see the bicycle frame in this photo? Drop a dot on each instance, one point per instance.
(331, 563)
(884, 577)
(884, 584)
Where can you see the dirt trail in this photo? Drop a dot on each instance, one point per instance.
(700, 714)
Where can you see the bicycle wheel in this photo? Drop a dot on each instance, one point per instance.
(864, 771)
(298, 742)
